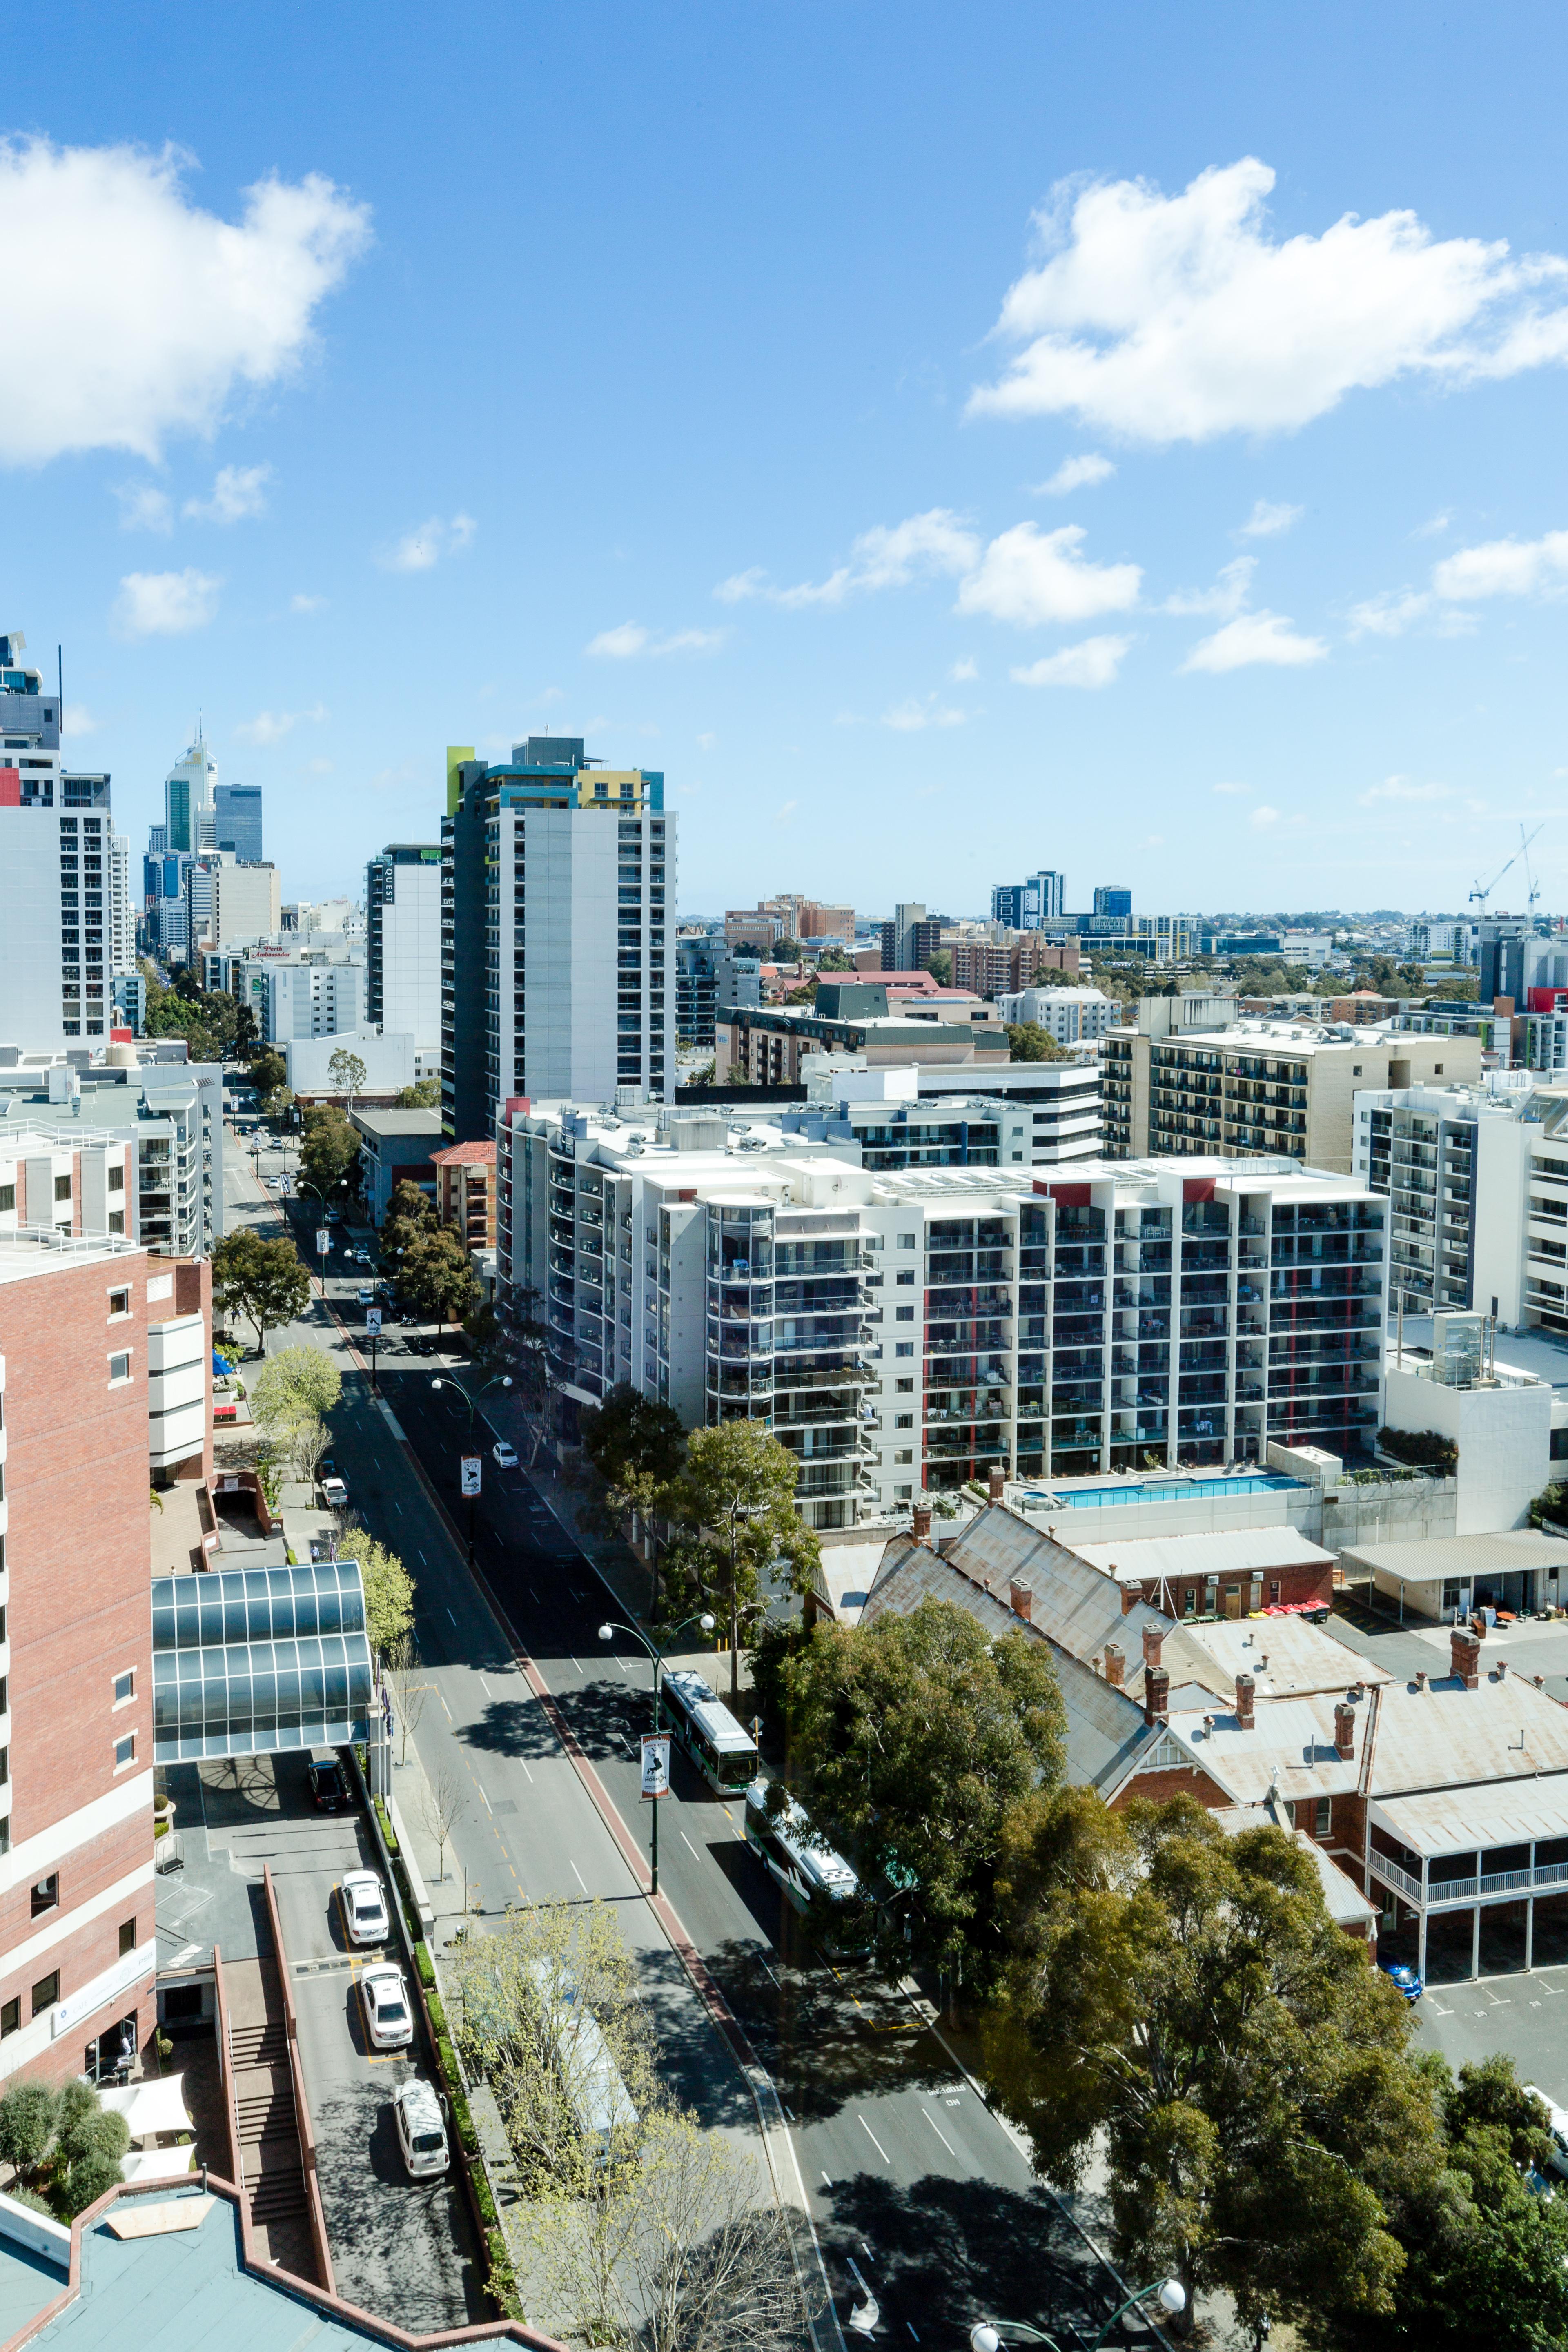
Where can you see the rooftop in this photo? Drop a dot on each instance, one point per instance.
(37, 1251)
(397, 1122)
(1429, 1558)
(463, 1155)
(1238, 1550)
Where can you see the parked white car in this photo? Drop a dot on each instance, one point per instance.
(505, 1454)
(335, 1494)
(1557, 2122)
(384, 1997)
(421, 2131)
(364, 1908)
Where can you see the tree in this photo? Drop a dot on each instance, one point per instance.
(329, 1152)
(834, 959)
(262, 1280)
(307, 1442)
(638, 1448)
(1185, 1994)
(404, 1673)
(1027, 1041)
(388, 1590)
(481, 1329)
(736, 1496)
(268, 1071)
(912, 1739)
(26, 2124)
(294, 1385)
(443, 1805)
(435, 1275)
(939, 967)
(426, 1096)
(410, 1214)
(347, 1073)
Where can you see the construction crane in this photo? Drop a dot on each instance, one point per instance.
(1482, 895)
(1535, 885)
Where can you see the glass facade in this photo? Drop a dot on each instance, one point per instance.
(246, 1661)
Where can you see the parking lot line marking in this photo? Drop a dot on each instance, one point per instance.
(939, 2131)
(486, 1688)
(879, 2148)
(579, 1878)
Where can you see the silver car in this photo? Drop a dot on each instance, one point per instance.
(421, 2131)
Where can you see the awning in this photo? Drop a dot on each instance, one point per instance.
(1429, 1560)
(150, 2107)
(1458, 1820)
(157, 2163)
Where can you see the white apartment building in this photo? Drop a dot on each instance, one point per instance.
(403, 947)
(55, 872)
(1026, 1114)
(294, 989)
(246, 904)
(910, 1330)
(1073, 1016)
(121, 909)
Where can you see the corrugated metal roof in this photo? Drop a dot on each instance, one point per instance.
(1078, 1607)
(1447, 1737)
(1291, 1748)
(1432, 1556)
(1282, 1654)
(1456, 1821)
(1235, 1550)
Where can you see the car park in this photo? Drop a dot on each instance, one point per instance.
(421, 2131)
(328, 1792)
(335, 1494)
(383, 1999)
(505, 1454)
(364, 1900)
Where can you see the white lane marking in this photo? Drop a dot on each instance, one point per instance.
(395, 1504)
(484, 1801)
(621, 1664)
(531, 1594)
(574, 1662)
(486, 1688)
(449, 1614)
(928, 2114)
(788, 2110)
(771, 1977)
(579, 1878)
(523, 1762)
(874, 2140)
(908, 2324)
(691, 1849)
(828, 2178)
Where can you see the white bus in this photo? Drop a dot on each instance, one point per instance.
(589, 2077)
(721, 1750)
(814, 1878)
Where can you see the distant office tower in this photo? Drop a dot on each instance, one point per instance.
(1115, 902)
(403, 945)
(910, 940)
(557, 958)
(189, 815)
(54, 871)
(1025, 906)
(237, 813)
(246, 903)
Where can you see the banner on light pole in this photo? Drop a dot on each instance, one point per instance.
(373, 1322)
(323, 1241)
(654, 1764)
(471, 1467)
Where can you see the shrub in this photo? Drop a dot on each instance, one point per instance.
(1425, 1449)
(89, 2181)
(426, 1967)
(26, 2120)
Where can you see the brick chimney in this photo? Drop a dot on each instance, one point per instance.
(1420, 1678)
(1021, 1600)
(1502, 1670)
(1156, 1693)
(1154, 1642)
(920, 1524)
(1115, 1665)
(1244, 1689)
(997, 1484)
(1465, 1655)
(1345, 1730)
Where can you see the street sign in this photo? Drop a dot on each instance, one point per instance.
(285, 1185)
(471, 1467)
(373, 1322)
(323, 1241)
(654, 1764)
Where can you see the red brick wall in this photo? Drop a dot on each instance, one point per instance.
(88, 1951)
(1177, 1780)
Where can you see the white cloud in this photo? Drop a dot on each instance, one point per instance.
(910, 717)
(238, 492)
(1432, 530)
(1263, 816)
(1076, 473)
(1176, 318)
(166, 604)
(885, 557)
(706, 742)
(1226, 598)
(963, 672)
(418, 549)
(302, 604)
(1504, 567)
(1256, 637)
(1388, 615)
(1030, 577)
(625, 643)
(154, 312)
(78, 719)
(1265, 520)
(144, 507)
(271, 726)
(1400, 788)
(1232, 788)
(783, 814)
(1092, 663)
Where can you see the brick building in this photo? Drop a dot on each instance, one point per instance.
(466, 1190)
(993, 970)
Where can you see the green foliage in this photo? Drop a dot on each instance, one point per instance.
(1187, 1995)
(1027, 1041)
(93, 2178)
(27, 2114)
(410, 1213)
(1424, 1449)
(1550, 1507)
(97, 2134)
(834, 959)
(268, 1071)
(426, 1096)
(481, 1329)
(212, 1026)
(388, 1590)
(734, 1501)
(295, 1385)
(911, 1738)
(262, 1280)
(347, 1073)
(939, 967)
(434, 1276)
(329, 1150)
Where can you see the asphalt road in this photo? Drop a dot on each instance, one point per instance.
(907, 2173)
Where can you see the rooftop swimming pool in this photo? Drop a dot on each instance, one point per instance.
(1267, 1482)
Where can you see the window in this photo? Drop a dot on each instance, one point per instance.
(125, 1686)
(1322, 1817)
(905, 1275)
(903, 1314)
(1355, 1069)
(47, 1894)
(906, 1241)
(903, 1493)
(45, 1992)
(62, 1188)
(125, 1751)
(905, 1388)
(117, 1179)
(119, 1370)
(127, 1937)
(120, 1302)
(10, 2018)
(903, 1420)
(7, 1196)
(116, 1220)
(1436, 1069)
(903, 1348)
(907, 1455)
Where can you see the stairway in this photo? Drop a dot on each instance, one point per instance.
(272, 2175)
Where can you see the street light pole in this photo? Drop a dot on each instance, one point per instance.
(614, 1625)
(304, 1186)
(993, 2334)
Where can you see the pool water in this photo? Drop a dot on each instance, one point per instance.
(1080, 1498)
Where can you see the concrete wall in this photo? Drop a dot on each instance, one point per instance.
(1504, 1437)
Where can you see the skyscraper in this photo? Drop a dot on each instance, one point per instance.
(1025, 906)
(189, 814)
(236, 820)
(1114, 902)
(557, 963)
(54, 870)
(403, 944)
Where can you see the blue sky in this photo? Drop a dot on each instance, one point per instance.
(946, 441)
